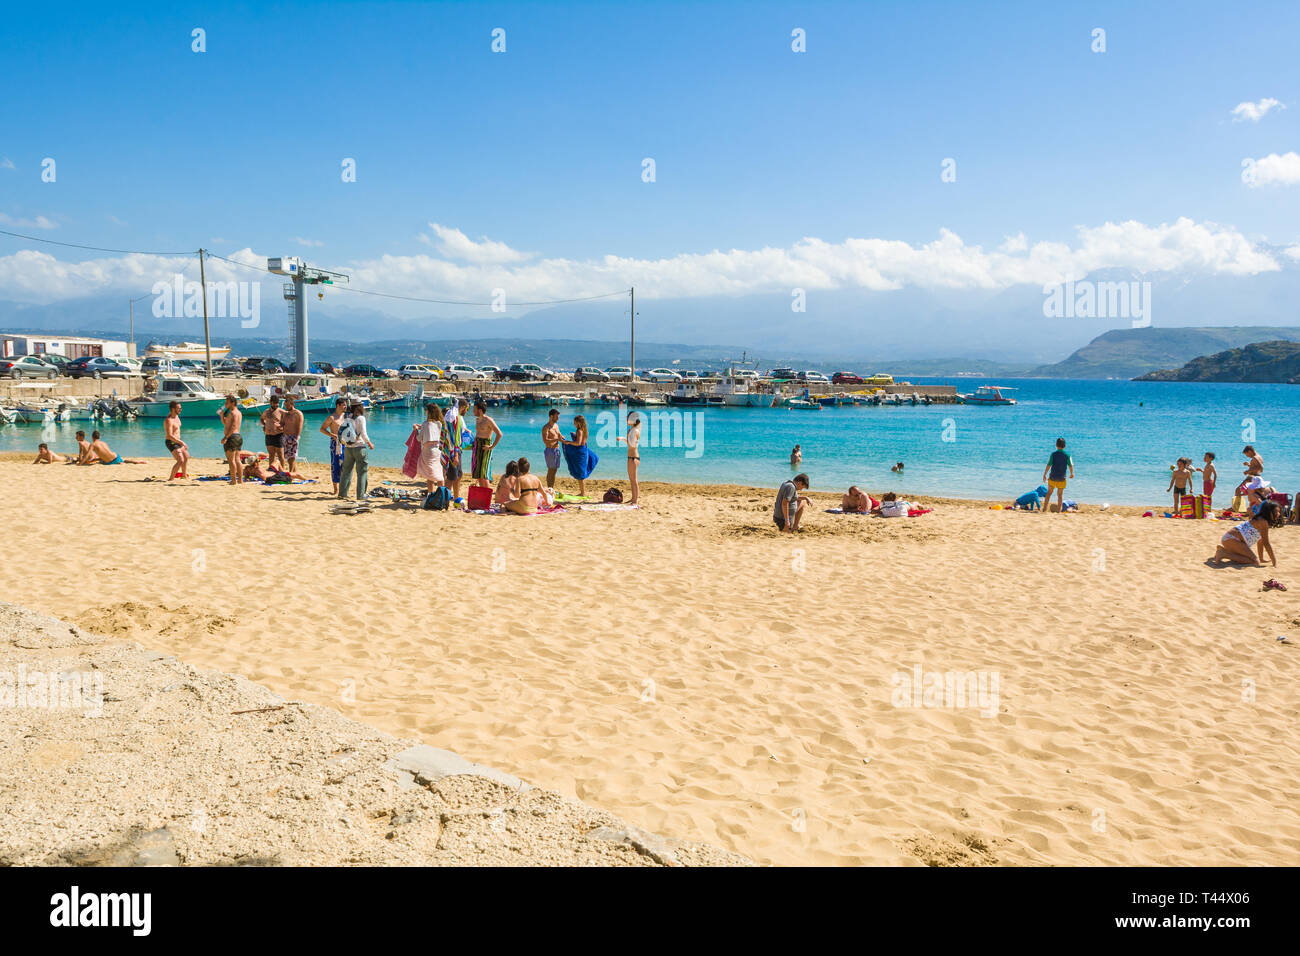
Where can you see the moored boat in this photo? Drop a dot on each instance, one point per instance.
(989, 395)
(189, 390)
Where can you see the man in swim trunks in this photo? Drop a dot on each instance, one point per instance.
(1054, 474)
(531, 495)
(105, 455)
(273, 424)
(172, 438)
(551, 439)
(231, 440)
(486, 436)
(291, 421)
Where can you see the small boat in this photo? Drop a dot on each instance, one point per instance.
(989, 395)
(189, 390)
(194, 350)
(803, 404)
(736, 391)
(687, 393)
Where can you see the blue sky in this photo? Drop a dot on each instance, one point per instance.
(540, 148)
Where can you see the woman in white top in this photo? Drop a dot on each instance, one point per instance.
(352, 431)
(430, 434)
(1247, 542)
(633, 453)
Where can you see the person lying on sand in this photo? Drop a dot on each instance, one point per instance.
(790, 504)
(892, 506)
(263, 470)
(532, 496)
(46, 457)
(103, 455)
(855, 501)
(1247, 542)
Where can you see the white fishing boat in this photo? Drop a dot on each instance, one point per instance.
(989, 395)
(193, 350)
(8, 416)
(189, 390)
(738, 391)
(311, 393)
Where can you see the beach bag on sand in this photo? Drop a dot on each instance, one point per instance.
(613, 497)
(438, 499)
(1201, 507)
(1187, 506)
(480, 498)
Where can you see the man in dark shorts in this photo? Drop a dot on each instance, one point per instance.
(273, 425)
(790, 504)
(291, 421)
(231, 440)
(172, 438)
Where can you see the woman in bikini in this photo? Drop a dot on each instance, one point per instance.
(529, 488)
(633, 440)
(1247, 542)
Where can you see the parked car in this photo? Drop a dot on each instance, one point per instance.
(493, 372)
(58, 361)
(226, 366)
(661, 375)
(27, 366)
(589, 373)
(812, 376)
(362, 370)
(464, 373)
(325, 368)
(782, 374)
(746, 373)
(409, 372)
(848, 378)
(690, 376)
(524, 372)
(263, 365)
(619, 373)
(96, 366)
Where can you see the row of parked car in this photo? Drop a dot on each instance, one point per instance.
(51, 366)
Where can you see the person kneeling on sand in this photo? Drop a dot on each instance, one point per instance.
(46, 457)
(855, 501)
(1240, 544)
(790, 504)
(532, 496)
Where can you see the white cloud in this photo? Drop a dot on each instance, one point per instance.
(40, 222)
(454, 244)
(947, 262)
(1273, 170)
(307, 242)
(1254, 112)
(6, 163)
(1292, 252)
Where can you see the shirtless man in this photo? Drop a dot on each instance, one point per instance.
(46, 457)
(83, 449)
(292, 422)
(551, 439)
(330, 428)
(231, 440)
(530, 492)
(172, 438)
(104, 455)
(855, 501)
(273, 424)
(487, 434)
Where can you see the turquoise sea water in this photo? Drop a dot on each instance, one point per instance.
(1123, 437)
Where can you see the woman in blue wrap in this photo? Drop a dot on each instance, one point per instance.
(580, 459)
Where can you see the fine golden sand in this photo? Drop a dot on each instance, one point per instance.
(688, 669)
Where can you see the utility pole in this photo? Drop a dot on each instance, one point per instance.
(207, 338)
(131, 306)
(632, 383)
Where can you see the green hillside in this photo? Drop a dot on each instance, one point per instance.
(1128, 353)
(1276, 361)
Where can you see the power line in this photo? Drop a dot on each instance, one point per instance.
(75, 245)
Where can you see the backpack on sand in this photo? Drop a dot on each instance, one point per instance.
(438, 499)
(613, 497)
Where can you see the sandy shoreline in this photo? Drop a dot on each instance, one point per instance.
(686, 668)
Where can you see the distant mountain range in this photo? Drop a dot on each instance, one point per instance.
(1275, 362)
(1128, 353)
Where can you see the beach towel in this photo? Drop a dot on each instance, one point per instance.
(606, 506)
(412, 458)
(581, 461)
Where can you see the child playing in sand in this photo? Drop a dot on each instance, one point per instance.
(46, 457)
(1180, 480)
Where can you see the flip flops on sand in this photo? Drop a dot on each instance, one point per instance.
(350, 508)
(1273, 584)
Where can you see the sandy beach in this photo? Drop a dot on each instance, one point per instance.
(689, 670)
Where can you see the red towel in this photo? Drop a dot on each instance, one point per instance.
(412, 455)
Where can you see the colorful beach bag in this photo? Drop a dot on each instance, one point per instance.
(1187, 506)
